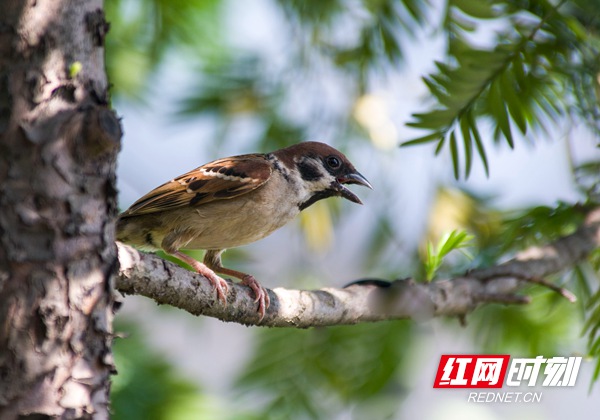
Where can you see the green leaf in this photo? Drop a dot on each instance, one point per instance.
(468, 142)
(513, 101)
(450, 241)
(499, 113)
(480, 9)
(438, 148)
(479, 145)
(454, 154)
(424, 139)
(415, 9)
(432, 262)
(435, 89)
(438, 119)
(596, 374)
(453, 240)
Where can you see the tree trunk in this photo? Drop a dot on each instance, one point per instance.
(58, 146)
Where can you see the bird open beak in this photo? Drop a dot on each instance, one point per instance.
(352, 178)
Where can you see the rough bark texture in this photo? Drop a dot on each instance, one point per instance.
(58, 146)
(150, 276)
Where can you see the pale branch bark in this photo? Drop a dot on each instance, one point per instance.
(166, 283)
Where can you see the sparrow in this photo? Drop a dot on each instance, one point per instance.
(234, 201)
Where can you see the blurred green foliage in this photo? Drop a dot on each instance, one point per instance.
(548, 315)
(377, 26)
(236, 87)
(520, 82)
(147, 387)
(320, 372)
(515, 65)
(144, 32)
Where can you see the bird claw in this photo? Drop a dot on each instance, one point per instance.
(222, 287)
(220, 284)
(262, 296)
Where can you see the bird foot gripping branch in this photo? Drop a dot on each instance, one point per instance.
(235, 201)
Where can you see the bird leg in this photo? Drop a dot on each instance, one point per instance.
(219, 284)
(212, 259)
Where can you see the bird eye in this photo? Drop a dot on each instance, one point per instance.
(333, 162)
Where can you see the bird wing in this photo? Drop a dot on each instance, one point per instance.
(218, 180)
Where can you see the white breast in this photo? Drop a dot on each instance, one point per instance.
(244, 219)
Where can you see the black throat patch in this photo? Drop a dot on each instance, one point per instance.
(316, 197)
(308, 171)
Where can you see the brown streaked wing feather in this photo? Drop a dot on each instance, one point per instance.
(218, 180)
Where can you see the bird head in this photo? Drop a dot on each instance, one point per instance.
(320, 171)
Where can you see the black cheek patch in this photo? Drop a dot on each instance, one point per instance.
(308, 172)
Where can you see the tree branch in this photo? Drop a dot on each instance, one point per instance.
(363, 301)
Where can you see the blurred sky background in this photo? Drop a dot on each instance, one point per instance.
(158, 147)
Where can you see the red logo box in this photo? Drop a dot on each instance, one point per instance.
(471, 371)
